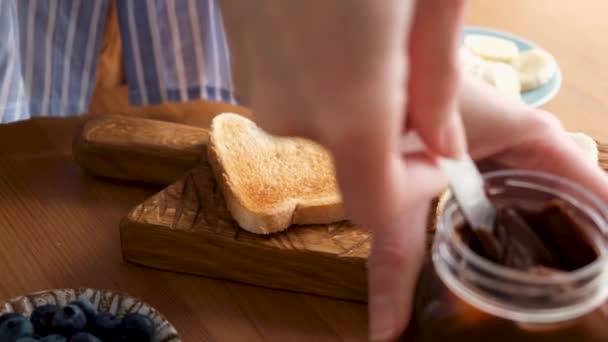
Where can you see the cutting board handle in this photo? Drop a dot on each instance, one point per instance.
(136, 149)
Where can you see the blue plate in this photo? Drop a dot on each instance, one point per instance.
(535, 97)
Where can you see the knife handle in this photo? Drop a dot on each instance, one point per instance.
(136, 149)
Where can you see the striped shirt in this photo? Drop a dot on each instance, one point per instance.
(174, 50)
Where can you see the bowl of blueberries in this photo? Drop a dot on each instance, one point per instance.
(82, 315)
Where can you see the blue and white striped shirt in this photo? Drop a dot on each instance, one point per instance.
(174, 50)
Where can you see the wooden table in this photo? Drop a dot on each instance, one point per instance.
(59, 228)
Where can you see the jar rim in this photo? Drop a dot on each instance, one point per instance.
(523, 276)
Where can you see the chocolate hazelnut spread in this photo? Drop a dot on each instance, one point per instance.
(527, 239)
(546, 275)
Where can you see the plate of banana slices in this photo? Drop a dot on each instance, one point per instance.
(514, 66)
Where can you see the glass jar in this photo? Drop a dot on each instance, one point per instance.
(464, 297)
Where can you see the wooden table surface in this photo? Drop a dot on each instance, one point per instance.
(59, 228)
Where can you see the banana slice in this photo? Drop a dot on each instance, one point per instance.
(491, 48)
(535, 68)
(587, 144)
(470, 64)
(503, 77)
(465, 56)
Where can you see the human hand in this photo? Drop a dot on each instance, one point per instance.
(513, 135)
(340, 72)
(501, 132)
(345, 73)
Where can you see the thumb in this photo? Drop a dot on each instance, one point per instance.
(397, 252)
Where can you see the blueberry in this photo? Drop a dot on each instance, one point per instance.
(54, 338)
(69, 320)
(42, 317)
(89, 310)
(8, 315)
(106, 326)
(14, 328)
(84, 337)
(137, 328)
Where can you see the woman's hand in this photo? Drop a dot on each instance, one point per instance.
(500, 131)
(340, 72)
(345, 73)
(516, 136)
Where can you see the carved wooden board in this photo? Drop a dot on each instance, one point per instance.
(187, 228)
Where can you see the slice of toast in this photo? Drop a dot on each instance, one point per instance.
(271, 183)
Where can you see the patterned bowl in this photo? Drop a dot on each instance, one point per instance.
(118, 304)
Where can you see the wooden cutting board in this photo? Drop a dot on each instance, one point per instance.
(187, 228)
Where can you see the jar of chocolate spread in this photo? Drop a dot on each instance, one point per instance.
(543, 278)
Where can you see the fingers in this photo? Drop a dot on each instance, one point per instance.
(397, 253)
(493, 121)
(433, 83)
(399, 241)
(368, 172)
(377, 192)
(553, 151)
(517, 136)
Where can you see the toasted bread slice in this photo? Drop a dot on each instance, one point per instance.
(270, 183)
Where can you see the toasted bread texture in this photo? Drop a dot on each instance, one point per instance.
(270, 183)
